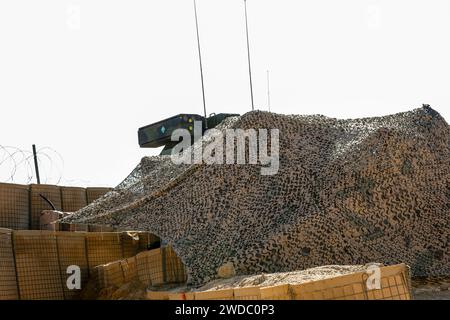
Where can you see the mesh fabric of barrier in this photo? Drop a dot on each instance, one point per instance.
(34, 264)
(37, 264)
(14, 206)
(73, 198)
(8, 280)
(93, 194)
(38, 204)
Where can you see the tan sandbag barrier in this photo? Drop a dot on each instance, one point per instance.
(394, 285)
(33, 264)
(21, 205)
(154, 268)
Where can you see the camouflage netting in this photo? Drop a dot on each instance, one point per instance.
(347, 192)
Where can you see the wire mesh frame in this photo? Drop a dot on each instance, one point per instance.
(37, 204)
(75, 227)
(223, 294)
(116, 273)
(78, 227)
(110, 274)
(103, 248)
(129, 269)
(247, 293)
(160, 266)
(130, 243)
(150, 267)
(42, 257)
(174, 268)
(394, 286)
(72, 252)
(155, 267)
(37, 265)
(93, 194)
(280, 292)
(73, 198)
(9, 289)
(394, 283)
(99, 228)
(21, 205)
(14, 206)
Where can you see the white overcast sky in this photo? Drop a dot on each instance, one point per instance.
(82, 76)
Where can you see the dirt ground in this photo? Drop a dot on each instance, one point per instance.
(437, 289)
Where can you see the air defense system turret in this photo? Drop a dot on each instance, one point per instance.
(159, 134)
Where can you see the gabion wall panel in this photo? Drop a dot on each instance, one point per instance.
(73, 198)
(14, 206)
(34, 264)
(72, 252)
(52, 193)
(8, 280)
(95, 193)
(37, 264)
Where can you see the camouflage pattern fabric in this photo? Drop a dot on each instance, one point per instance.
(347, 192)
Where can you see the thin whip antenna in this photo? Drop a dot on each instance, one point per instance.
(268, 90)
(248, 53)
(201, 65)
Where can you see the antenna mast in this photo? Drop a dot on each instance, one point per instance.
(201, 65)
(248, 54)
(268, 90)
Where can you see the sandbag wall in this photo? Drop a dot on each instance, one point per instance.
(21, 205)
(33, 264)
(154, 267)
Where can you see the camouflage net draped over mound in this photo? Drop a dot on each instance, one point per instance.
(347, 192)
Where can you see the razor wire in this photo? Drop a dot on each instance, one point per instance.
(17, 165)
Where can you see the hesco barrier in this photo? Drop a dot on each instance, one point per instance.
(21, 205)
(155, 267)
(73, 198)
(103, 248)
(224, 294)
(280, 292)
(160, 266)
(49, 221)
(394, 285)
(38, 204)
(72, 251)
(8, 279)
(247, 293)
(93, 194)
(33, 264)
(37, 264)
(14, 206)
